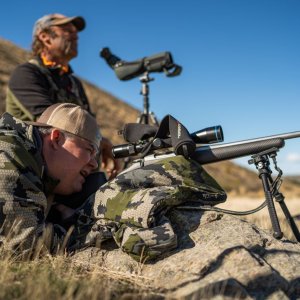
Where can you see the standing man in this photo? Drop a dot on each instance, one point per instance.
(48, 78)
(38, 160)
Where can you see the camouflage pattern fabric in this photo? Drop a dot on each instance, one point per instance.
(24, 190)
(132, 208)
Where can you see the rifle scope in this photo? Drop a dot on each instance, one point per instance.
(207, 135)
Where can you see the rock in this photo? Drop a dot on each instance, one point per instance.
(218, 256)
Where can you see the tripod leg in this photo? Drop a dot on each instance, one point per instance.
(143, 119)
(280, 199)
(153, 119)
(271, 207)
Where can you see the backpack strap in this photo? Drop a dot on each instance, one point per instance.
(46, 72)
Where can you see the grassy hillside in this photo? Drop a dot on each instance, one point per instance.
(112, 114)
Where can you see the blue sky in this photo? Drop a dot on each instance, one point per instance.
(240, 59)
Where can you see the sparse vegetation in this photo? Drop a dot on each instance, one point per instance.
(60, 277)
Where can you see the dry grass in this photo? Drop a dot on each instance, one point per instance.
(61, 277)
(45, 276)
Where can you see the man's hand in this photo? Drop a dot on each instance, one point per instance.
(65, 211)
(109, 164)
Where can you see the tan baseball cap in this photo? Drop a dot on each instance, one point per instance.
(57, 19)
(71, 118)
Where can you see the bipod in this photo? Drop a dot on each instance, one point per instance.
(146, 116)
(271, 190)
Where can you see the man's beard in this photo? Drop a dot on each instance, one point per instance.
(69, 49)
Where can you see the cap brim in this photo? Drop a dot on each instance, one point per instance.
(39, 124)
(78, 22)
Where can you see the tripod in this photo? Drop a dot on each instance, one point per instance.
(146, 116)
(271, 190)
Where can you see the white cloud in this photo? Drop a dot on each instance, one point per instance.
(293, 157)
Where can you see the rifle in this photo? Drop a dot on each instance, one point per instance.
(261, 150)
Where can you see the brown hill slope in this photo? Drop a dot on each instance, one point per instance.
(113, 113)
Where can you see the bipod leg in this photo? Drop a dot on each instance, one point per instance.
(271, 207)
(280, 199)
(262, 164)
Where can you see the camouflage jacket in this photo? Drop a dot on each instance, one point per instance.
(24, 189)
(133, 207)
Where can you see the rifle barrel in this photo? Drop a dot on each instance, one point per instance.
(211, 154)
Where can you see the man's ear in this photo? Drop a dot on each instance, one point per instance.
(45, 38)
(57, 138)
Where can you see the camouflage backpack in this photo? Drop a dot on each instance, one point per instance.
(133, 207)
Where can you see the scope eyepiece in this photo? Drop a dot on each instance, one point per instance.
(111, 59)
(125, 150)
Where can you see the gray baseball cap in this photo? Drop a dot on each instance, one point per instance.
(71, 118)
(57, 19)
